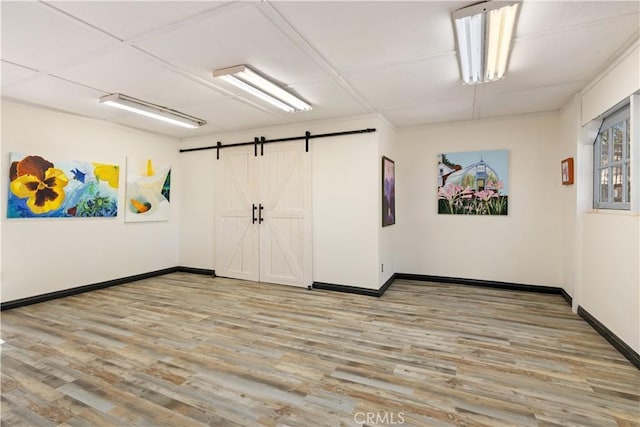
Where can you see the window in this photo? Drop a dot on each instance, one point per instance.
(612, 162)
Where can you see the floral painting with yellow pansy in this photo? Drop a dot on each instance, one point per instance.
(40, 187)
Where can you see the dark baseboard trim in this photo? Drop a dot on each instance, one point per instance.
(354, 289)
(81, 289)
(489, 284)
(345, 288)
(483, 283)
(443, 279)
(613, 339)
(566, 297)
(386, 285)
(203, 271)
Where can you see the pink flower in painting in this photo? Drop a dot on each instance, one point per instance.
(485, 195)
(467, 193)
(491, 185)
(449, 192)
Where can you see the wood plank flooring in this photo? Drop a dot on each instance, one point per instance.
(183, 350)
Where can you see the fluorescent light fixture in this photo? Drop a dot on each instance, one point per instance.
(157, 112)
(248, 80)
(484, 32)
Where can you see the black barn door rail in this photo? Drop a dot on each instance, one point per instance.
(262, 140)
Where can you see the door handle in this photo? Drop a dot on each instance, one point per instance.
(260, 219)
(253, 213)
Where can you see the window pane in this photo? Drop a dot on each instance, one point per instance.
(628, 122)
(618, 141)
(604, 148)
(604, 185)
(628, 166)
(617, 184)
(612, 162)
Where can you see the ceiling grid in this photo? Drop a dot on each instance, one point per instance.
(394, 58)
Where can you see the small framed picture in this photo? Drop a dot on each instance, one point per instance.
(567, 171)
(388, 192)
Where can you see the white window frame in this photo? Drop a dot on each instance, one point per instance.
(623, 115)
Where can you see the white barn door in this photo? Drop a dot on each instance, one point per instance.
(285, 233)
(237, 246)
(273, 242)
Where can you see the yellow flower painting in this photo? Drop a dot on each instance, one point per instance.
(36, 180)
(147, 194)
(39, 187)
(108, 173)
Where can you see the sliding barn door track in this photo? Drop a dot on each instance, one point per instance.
(259, 142)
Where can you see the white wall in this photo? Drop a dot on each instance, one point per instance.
(387, 236)
(607, 259)
(45, 255)
(523, 247)
(2, 202)
(610, 273)
(567, 147)
(345, 187)
(346, 211)
(197, 207)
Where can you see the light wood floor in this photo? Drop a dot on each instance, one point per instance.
(184, 349)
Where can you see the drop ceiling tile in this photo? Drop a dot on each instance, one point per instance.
(126, 19)
(238, 34)
(542, 16)
(356, 35)
(328, 99)
(11, 72)
(449, 110)
(232, 114)
(39, 37)
(551, 98)
(408, 84)
(577, 54)
(135, 74)
(61, 95)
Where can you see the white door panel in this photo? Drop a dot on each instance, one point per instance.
(237, 244)
(283, 189)
(278, 248)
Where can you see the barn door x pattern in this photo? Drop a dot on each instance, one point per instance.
(263, 214)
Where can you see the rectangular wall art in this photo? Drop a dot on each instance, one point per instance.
(567, 171)
(473, 183)
(388, 192)
(147, 194)
(40, 187)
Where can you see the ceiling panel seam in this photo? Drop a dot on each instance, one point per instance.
(208, 84)
(75, 18)
(130, 43)
(167, 28)
(416, 104)
(19, 65)
(533, 88)
(475, 111)
(399, 63)
(271, 13)
(78, 84)
(577, 26)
